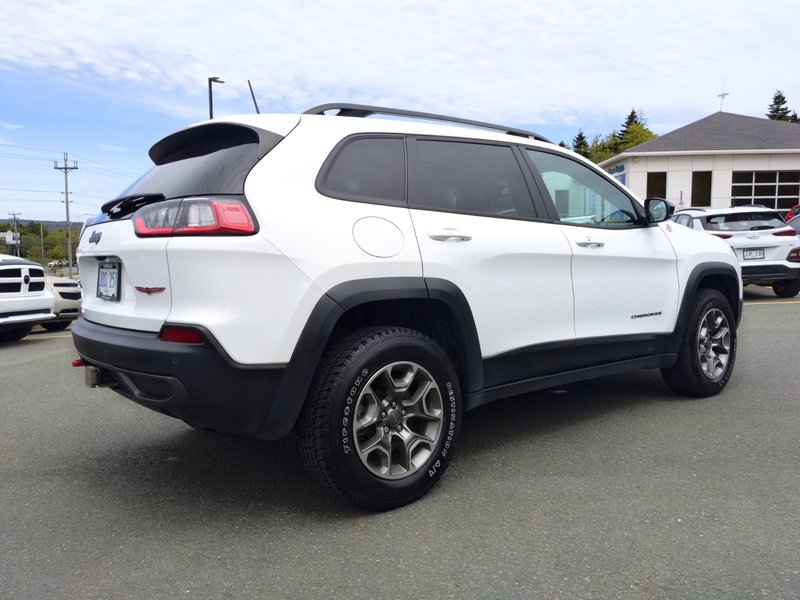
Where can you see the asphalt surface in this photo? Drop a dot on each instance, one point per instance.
(613, 488)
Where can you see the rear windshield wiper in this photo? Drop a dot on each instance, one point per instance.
(119, 207)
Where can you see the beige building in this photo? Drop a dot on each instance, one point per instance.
(721, 160)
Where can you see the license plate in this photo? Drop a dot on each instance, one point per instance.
(754, 254)
(108, 281)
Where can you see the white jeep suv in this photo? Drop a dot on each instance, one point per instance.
(363, 282)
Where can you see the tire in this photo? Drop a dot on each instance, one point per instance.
(382, 417)
(708, 351)
(55, 326)
(13, 335)
(786, 289)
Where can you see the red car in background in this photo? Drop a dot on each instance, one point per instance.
(793, 212)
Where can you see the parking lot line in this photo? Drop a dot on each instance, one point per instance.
(753, 303)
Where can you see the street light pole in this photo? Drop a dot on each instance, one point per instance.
(210, 100)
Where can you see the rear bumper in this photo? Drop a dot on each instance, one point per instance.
(197, 383)
(767, 274)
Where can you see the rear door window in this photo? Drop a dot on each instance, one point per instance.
(472, 178)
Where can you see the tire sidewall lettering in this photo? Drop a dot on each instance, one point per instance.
(346, 435)
(354, 386)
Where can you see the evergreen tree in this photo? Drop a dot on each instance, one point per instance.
(778, 110)
(632, 119)
(637, 133)
(580, 144)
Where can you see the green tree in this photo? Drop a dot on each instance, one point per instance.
(637, 133)
(632, 119)
(580, 144)
(778, 111)
(603, 148)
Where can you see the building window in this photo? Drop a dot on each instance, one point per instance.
(773, 189)
(656, 185)
(701, 188)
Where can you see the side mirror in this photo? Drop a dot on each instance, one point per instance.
(658, 209)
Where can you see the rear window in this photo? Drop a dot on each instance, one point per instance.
(744, 221)
(208, 160)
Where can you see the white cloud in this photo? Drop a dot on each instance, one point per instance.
(10, 126)
(110, 148)
(516, 61)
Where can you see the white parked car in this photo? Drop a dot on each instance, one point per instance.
(767, 248)
(363, 282)
(24, 300)
(67, 293)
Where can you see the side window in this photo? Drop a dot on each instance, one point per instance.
(367, 170)
(471, 178)
(684, 220)
(582, 196)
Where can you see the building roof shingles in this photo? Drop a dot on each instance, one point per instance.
(726, 131)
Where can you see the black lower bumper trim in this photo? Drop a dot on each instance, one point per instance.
(769, 273)
(192, 382)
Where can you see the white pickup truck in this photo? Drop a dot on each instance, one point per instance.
(24, 298)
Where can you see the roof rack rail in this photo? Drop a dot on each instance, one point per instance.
(364, 110)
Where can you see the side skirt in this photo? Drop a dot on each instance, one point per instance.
(533, 384)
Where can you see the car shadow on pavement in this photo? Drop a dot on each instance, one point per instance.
(196, 472)
(193, 474)
(502, 422)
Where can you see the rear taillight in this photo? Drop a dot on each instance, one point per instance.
(786, 232)
(794, 255)
(194, 216)
(723, 236)
(181, 335)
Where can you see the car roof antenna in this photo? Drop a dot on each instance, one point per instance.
(258, 112)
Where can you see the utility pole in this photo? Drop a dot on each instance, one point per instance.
(14, 216)
(66, 169)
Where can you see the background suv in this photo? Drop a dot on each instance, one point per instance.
(365, 281)
(766, 247)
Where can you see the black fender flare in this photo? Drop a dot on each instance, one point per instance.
(324, 317)
(699, 273)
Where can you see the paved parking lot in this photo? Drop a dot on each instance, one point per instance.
(608, 489)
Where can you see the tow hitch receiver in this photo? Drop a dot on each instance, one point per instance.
(95, 376)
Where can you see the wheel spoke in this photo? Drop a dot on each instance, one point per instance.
(713, 343)
(398, 420)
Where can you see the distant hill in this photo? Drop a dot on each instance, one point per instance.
(49, 225)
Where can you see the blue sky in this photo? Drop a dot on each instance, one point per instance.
(103, 80)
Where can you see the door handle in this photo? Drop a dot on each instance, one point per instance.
(449, 235)
(589, 242)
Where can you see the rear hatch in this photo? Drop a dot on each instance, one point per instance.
(196, 188)
(757, 236)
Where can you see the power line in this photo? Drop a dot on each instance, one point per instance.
(28, 190)
(29, 148)
(24, 157)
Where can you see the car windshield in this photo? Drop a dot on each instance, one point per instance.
(744, 221)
